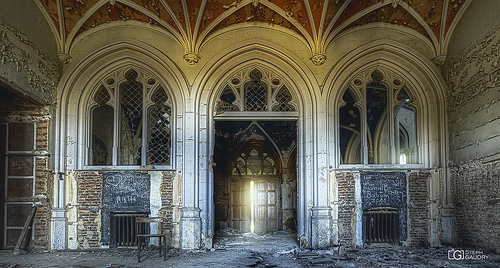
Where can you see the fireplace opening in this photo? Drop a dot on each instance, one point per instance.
(381, 225)
(123, 228)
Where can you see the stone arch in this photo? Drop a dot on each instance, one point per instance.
(207, 88)
(80, 81)
(419, 74)
(428, 89)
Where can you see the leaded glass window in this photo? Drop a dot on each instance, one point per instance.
(159, 129)
(130, 121)
(283, 98)
(255, 90)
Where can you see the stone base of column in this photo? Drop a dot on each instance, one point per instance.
(59, 222)
(321, 228)
(190, 228)
(447, 225)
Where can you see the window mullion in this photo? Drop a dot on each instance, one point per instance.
(116, 130)
(145, 125)
(364, 127)
(390, 114)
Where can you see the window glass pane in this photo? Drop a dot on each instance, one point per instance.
(159, 130)
(255, 93)
(130, 120)
(283, 98)
(350, 129)
(377, 123)
(406, 142)
(226, 101)
(102, 130)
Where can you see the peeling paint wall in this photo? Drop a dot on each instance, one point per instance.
(472, 73)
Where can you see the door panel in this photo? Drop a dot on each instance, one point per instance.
(240, 211)
(265, 205)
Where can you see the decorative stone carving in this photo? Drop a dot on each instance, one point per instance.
(35, 73)
(395, 3)
(318, 59)
(191, 58)
(64, 57)
(439, 60)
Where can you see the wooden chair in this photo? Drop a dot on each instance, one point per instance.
(141, 228)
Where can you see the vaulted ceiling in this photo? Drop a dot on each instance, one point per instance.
(317, 22)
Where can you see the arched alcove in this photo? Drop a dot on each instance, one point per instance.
(386, 110)
(139, 92)
(214, 94)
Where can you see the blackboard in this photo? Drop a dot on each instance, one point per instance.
(386, 189)
(123, 191)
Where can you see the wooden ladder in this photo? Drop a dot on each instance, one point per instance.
(27, 224)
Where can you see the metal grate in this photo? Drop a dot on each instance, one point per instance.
(123, 228)
(381, 226)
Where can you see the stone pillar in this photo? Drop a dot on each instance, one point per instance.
(59, 219)
(190, 228)
(190, 223)
(321, 222)
(321, 211)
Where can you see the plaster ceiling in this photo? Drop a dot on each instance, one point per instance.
(317, 22)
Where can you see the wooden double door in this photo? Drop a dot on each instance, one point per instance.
(254, 204)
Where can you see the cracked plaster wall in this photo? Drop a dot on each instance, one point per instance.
(472, 74)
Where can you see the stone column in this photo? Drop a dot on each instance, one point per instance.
(190, 228)
(190, 222)
(321, 217)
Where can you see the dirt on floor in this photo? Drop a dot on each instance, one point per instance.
(279, 249)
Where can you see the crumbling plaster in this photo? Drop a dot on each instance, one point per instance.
(472, 74)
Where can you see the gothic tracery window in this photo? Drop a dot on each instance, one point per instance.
(130, 121)
(255, 90)
(255, 162)
(377, 122)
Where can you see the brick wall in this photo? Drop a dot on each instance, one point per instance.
(89, 211)
(43, 189)
(167, 203)
(418, 209)
(477, 205)
(90, 207)
(346, 209)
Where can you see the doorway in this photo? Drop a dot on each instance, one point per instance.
(255, 182)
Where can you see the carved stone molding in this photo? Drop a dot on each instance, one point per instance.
(24, 63)
(318, 59)
(64, 57)
(439, 60)
(192, 58)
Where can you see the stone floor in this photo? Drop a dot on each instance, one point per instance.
(249, 250)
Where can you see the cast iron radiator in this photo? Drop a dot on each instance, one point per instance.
(123, 228)
(381, 226)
